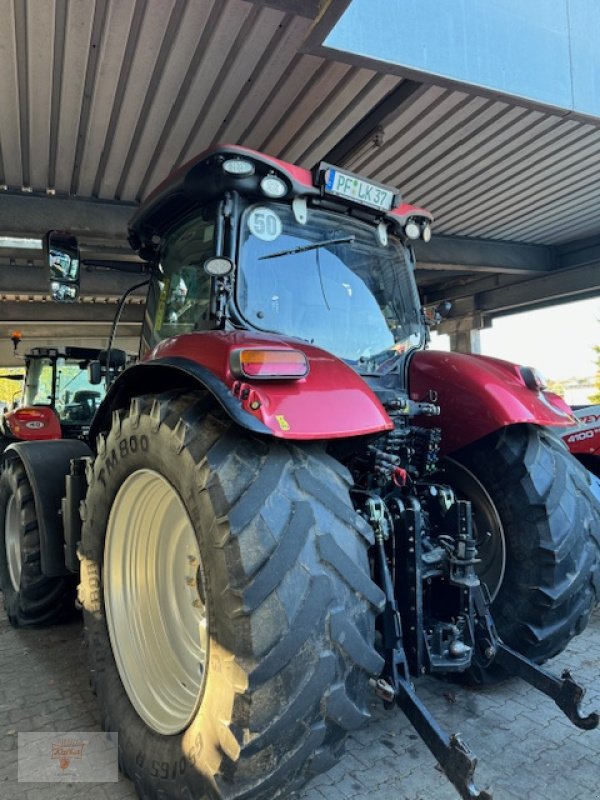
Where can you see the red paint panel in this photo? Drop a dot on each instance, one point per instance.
(405, 210)
(584, 437)
(478, 395)
(331, 402)
(33, 423)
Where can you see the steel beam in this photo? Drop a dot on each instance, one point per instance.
(556, 287)
(23, 313)
(27, 280)
(579, 252)
(386, 110)
(33, 215)
(483, 255)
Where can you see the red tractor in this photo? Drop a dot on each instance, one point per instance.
(583, 438)
(288, 503)
(58, 401)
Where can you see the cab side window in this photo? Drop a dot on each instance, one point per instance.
(179, 296)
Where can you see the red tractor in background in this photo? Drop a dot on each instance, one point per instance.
(57, 398)
(583, 438)
(58, 401)
(288, 503)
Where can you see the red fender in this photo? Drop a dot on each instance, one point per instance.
(33, 423)
(331, 402)
(478, 395)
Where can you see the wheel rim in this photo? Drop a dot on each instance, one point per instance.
(489, 533)
(12, 540)
(153, 595)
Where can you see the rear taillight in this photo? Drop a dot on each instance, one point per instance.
(269, 364)
(31, 417)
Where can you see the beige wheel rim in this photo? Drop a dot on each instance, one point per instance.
(154, 600)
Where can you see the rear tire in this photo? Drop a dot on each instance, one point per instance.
(550, 525)
(31, 599)
(285, 587)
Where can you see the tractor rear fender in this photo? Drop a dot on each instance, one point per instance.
(47, 465)
(478, 395)
(331, 401)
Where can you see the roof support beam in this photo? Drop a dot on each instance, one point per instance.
(28, 280)
(483, 255)
(385, 110)
(19, 313)
(89, 219)
(559, 286)
(579, 252)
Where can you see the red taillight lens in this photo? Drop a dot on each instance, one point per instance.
(265, 364)
(30, 414)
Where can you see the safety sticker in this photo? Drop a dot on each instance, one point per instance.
(265, 224)
(282, 422)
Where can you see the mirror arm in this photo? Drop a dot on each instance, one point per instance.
(142, 267)
(113, 330)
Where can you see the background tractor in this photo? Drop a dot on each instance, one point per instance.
(288, 503)
(57, 399)
(583, 438)
(62, 388)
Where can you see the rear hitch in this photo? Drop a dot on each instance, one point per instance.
(417, 642)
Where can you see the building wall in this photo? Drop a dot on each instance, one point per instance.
(541, 50)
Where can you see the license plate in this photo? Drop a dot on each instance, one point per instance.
(363, 192)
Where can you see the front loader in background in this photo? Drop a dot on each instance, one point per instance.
(288, 503)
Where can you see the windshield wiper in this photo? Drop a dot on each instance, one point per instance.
(306, 247)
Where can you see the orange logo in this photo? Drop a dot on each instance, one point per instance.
(66, 750)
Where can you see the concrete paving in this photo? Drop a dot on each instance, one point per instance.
(527, 749)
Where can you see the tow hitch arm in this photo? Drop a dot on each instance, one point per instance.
(566, 693)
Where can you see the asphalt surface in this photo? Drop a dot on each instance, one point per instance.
(526, 748)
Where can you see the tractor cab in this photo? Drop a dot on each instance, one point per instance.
(244, 241)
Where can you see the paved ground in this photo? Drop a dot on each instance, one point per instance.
(526, 748)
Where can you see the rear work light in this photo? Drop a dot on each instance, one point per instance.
(534, 379)
(269, 364)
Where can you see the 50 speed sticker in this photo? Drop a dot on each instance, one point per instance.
(264, 223)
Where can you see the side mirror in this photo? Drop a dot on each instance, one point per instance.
(61, 252)
(116, 357)
(443, 309)
(95, 373)
(433, 316)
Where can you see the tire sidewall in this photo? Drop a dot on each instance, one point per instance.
(145, 754)
(8, 489)
(525, 470)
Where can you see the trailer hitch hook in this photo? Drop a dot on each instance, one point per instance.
(566, 693)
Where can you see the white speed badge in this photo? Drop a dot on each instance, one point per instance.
(264, 224)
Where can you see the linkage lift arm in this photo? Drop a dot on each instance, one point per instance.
(395, 686)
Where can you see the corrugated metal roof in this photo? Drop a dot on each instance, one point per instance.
(106, 97)
(491, 169)
(110, 95)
